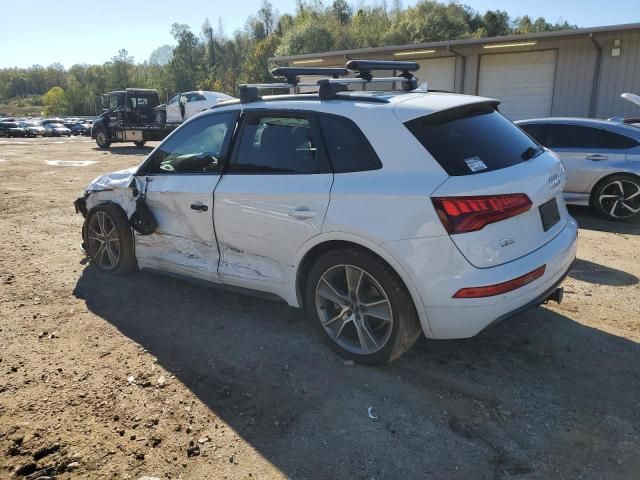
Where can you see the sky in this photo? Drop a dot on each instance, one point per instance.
(39, 32)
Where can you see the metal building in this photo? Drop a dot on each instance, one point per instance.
(578, 72)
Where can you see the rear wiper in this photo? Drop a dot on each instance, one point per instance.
(531, 152)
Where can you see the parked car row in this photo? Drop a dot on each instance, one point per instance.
(49, 127)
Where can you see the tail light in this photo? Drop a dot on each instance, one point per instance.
(500, 288)
(468, 214)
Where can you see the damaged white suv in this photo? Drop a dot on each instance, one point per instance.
(385, 215)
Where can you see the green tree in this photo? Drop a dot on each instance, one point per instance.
(496, 23)
(55, 102)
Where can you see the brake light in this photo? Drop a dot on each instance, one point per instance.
(500, 288)
(468, 214)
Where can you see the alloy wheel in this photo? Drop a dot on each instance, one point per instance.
(103, 241)
(354, 309)
(620, 199)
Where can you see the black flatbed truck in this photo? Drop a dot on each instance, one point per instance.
(129, 116)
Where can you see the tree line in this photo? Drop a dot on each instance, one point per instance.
(212, 60)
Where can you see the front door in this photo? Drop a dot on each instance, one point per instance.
(179, 179)
(272, 198)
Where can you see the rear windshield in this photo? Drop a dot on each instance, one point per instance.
(472, 139)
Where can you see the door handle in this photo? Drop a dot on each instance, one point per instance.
(596, 157)
(302, 213)
(199, 207)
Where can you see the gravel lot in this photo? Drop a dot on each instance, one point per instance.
(107, 377)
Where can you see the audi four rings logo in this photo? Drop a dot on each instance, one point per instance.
(555, 180)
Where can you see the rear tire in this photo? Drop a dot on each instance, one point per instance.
(102, 138)
(617, 198)
(140, 143)
(108, 239)
(360, 307)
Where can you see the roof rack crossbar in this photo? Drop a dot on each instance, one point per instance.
(291, 74)
(329, 87)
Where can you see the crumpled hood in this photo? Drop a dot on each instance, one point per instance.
(115, 187)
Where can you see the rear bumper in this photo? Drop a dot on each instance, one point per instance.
(439, 271)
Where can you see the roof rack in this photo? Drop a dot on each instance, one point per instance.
(329, 87)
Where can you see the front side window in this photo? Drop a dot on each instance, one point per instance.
(113, 102)
(472, 139)
(277, 143)
(196, 147)
(174, 99)
(574, 136)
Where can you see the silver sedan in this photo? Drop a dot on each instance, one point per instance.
(601, 158)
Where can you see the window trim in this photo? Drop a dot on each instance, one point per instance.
(242, 126)
(223, 160)
(362, 137)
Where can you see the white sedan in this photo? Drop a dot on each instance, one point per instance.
(187, 104)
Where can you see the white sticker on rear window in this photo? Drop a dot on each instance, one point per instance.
(475, 164)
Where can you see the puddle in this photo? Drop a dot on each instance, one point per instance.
(70, 163)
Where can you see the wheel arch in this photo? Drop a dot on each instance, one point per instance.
(312, 250)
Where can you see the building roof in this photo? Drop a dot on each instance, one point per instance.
(574, 32)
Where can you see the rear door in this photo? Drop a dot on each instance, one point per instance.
(179, 180)
(583, 151)
(488, 156)
(272, 198)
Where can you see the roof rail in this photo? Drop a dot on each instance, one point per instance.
(329, 87)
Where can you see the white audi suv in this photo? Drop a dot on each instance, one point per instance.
(384, 214)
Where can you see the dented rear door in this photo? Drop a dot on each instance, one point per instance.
(272, 198)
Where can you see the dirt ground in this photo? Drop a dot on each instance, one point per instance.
(140, 375)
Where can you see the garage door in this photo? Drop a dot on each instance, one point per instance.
(438, 72)
(523, 82)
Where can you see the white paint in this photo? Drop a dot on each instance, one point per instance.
(70, 163)
(522, 81)
(114, 187)
(267, 223)
(191, 105)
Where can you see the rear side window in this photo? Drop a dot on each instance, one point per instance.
(347, 147)
(617, 141)
(277, 143)
(472, 139)
(574, 136)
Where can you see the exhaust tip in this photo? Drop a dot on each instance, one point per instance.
(557, 295)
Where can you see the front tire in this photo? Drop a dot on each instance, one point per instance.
(108, 240)
(360, 307)
(102, 138)
(618, 197)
